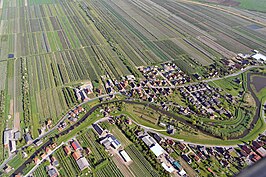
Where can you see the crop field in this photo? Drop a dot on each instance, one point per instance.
(109, 170)
(140, 166)
(40, 171)
(88, 139)
(67, 163)
(46, 46)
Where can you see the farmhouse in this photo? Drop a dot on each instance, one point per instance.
(83, 163)
(125, 156)
(110, 140)
(259, 57)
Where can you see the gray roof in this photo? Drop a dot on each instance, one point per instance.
(83, 163)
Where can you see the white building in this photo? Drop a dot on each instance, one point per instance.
(157, 150)
(170, 169)
(260, 57)
(125, 156)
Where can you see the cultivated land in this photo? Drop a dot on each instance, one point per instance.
(181, 69)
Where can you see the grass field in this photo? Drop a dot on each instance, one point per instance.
(256, 5)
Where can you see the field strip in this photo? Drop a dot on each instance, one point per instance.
(224, 10)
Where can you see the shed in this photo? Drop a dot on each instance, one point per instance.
(124, 155)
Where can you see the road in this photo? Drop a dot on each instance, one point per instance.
(52, 129)
(117, 93)
(47, 155)
(64, 118)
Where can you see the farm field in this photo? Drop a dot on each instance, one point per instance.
(140, 166)
(49, 46)
(254, 5)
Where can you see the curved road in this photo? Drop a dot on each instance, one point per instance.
(151, 106)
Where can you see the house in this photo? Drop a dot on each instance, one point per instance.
(54, 161)
(36, 160)
(76, 145)
(182, 146)
(48, 150)
(170, 142)
(67, 150)
(7, 168)
(261, 151)
(43, 155)
(38, 143)
(125, 156)
(76, 155)
(256, 145)
(246, 149)
(28, 138)
(52, 172)
(255, 157)
(186, 158)
(157, 138)
(83, 163)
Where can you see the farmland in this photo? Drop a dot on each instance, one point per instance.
(50, 45)
(49, 48)
(140, 166)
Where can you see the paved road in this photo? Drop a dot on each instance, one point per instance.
(153, 130)
(54, 128)
(116, 93)
(37, 165)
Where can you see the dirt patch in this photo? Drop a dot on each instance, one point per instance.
(16, 121)
(122, 166)
(224, 2)
(11, 107)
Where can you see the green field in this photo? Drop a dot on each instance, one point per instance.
(256, 5)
